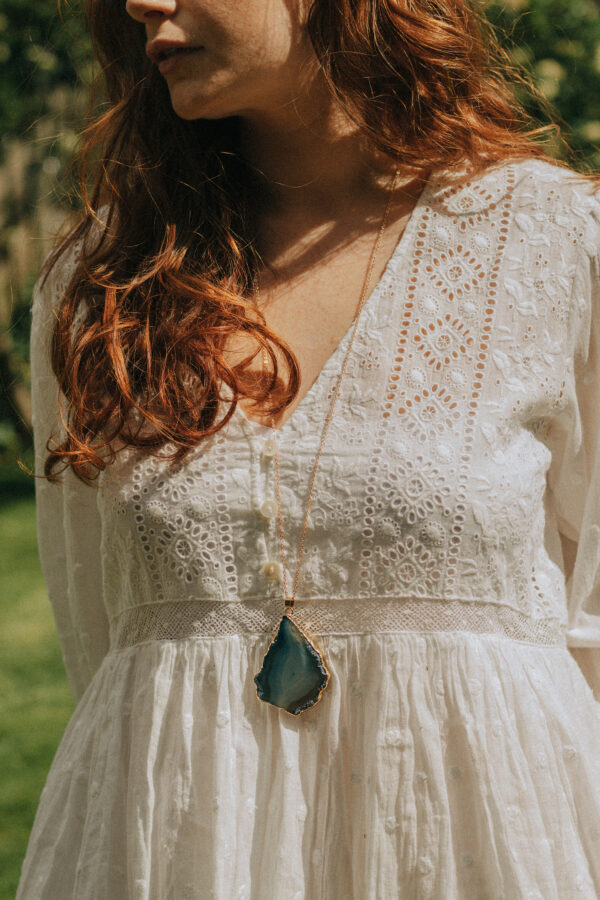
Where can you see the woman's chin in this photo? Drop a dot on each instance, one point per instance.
(189, 108)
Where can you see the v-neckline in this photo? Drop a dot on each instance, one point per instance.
(398, 250)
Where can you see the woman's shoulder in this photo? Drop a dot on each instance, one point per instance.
(60, 263)
(543, 185)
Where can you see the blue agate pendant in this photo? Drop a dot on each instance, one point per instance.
(293, 674)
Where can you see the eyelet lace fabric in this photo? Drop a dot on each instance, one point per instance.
(454, 754)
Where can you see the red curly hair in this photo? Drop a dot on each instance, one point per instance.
(160, 292)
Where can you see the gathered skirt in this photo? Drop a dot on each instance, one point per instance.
(436, 766)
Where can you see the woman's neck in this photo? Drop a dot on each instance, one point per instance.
(311, 157)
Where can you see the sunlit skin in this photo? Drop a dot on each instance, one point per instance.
(325, 189)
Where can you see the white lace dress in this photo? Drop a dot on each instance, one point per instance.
(456, 750)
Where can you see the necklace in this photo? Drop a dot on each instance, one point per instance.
(294, 673)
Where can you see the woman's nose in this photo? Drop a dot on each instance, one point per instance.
(145, 10)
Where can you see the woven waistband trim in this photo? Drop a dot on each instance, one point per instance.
(174, 620)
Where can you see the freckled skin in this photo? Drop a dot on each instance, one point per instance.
(256, 56)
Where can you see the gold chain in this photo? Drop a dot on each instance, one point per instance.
(289, 598)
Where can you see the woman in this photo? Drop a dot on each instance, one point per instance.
(247, 420)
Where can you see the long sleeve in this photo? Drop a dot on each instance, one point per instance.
(68, 521)
(574, 474)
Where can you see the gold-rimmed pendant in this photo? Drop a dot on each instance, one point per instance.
(293, 675)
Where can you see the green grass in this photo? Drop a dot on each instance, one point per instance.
(35, 700)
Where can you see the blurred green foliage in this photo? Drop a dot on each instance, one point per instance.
(41, 46)
(47, 68)
(558, 42)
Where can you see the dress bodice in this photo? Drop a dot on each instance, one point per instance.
(432, 487)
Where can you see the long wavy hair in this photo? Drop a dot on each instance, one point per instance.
(163, 277)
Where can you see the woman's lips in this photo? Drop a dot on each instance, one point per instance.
(172, 61)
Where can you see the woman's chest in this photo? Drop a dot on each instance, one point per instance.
(311, 307)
